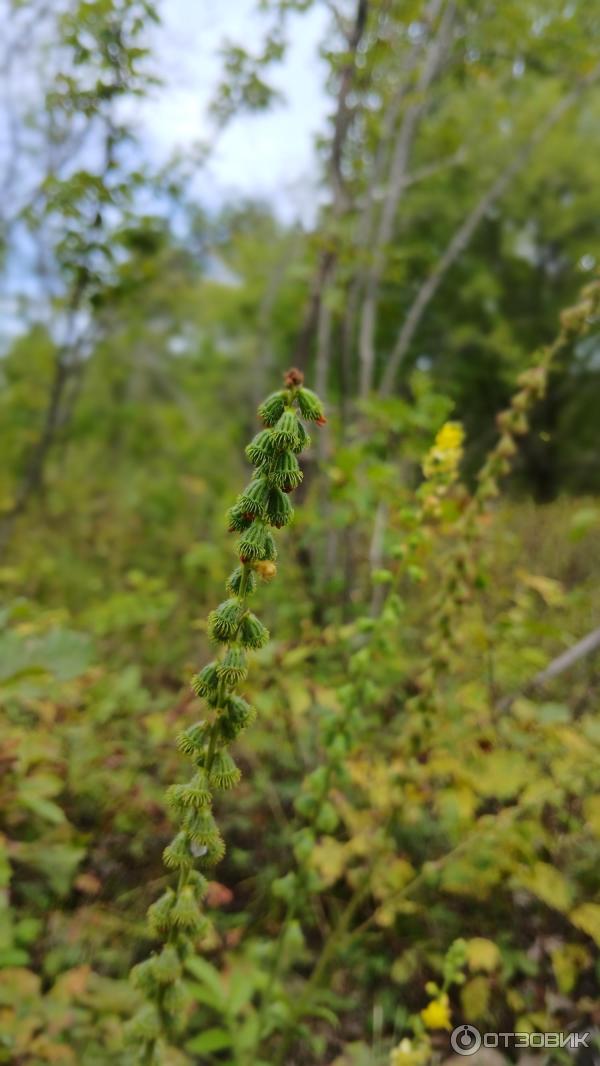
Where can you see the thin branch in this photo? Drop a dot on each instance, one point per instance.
(341, 127)
(563, 662)
(465, 231)
(434, 58)
(367, 216)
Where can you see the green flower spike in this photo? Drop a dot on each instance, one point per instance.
(176, 917)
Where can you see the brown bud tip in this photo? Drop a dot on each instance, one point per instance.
(293, 377)
(266, 569)
(321, 421)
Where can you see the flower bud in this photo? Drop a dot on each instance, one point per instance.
(186, 914)
(253, 634)
(286, 433)
(142, 976)
(255, 497)
(223, 622)
(234, 582)
(159, 913)
(195, 793)
(144, 1026)
(303, 440)
(233, 667)
(279, 510)
(265, 569)
(193, 739)
(177, 855)
(206, 682)
(283, 471)
(201, 827)
(252, 544)
(271, 410)
(238, 519)
(238, 715)
(261, 448)
(310, 406)
(166, 967)
(223, 772)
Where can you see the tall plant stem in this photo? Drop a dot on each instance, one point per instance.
(330, 948)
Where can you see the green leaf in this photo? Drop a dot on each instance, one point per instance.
(210, 1040)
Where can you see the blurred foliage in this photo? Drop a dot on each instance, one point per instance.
(415, 842)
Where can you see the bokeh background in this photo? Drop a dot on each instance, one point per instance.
(401, 199)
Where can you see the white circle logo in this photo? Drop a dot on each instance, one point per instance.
(465, 1039)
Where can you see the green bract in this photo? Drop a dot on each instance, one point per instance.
(310, 405)
(283, 471)
(205, 683)
(253, 634)
(272, 408)
(255, 497)
(223, 622)
(234, 584)
(287, 433)
(261, 448)
(264, 503)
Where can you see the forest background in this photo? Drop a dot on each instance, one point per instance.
(410, 783)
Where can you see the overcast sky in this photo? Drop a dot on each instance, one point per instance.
(270, 155)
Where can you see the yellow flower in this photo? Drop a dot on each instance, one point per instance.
(450, 437)
(408, 1054)
(444, 457)
(436, 1014)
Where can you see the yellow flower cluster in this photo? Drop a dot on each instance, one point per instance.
(436, 1014)
(445, 455)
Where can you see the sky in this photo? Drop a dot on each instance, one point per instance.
(271, 155)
